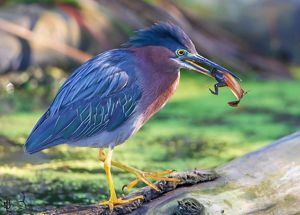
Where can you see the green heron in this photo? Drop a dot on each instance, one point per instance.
(110, 97)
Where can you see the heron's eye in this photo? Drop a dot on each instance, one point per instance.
(180, 52)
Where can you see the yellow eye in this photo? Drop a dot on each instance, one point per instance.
(180, 52)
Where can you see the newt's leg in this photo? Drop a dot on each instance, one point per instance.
(217, 85)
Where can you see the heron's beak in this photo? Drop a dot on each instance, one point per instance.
(204, 66)
(223, 76)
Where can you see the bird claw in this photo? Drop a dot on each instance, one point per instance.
(114, 201)
(124, 187)
(144, 176)
(131, 184)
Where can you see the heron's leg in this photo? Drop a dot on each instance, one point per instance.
(141, 176)
(113, 200)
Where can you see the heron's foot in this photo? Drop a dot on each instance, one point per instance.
(141, 176)
(145, 176)
(119, 201)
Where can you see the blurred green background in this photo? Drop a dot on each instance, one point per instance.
(257, 39)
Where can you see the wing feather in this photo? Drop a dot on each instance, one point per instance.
(99, 96)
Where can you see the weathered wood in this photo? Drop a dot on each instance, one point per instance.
(263, 182)
(186, 179)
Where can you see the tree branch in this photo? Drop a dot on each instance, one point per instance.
(26, 34)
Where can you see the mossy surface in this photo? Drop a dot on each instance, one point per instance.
(195, 130)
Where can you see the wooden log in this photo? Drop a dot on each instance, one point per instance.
(186, 179)
(263, 182)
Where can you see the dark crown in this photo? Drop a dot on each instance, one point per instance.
(162, 34)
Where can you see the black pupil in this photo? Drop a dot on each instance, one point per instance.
(181, 52)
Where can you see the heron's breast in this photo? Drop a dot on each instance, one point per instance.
(157, 98)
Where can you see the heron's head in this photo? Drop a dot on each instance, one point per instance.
(173, 48)
(180, 48)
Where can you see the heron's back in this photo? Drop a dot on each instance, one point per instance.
(99, 97)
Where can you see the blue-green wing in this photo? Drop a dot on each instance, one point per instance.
(99, 96)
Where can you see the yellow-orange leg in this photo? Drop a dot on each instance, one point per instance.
(157, 176)
(141, 176)
(113, 200)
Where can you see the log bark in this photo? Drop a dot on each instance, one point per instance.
(186, 179)
(263, 182)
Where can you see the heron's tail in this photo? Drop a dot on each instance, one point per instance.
(41, 136)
